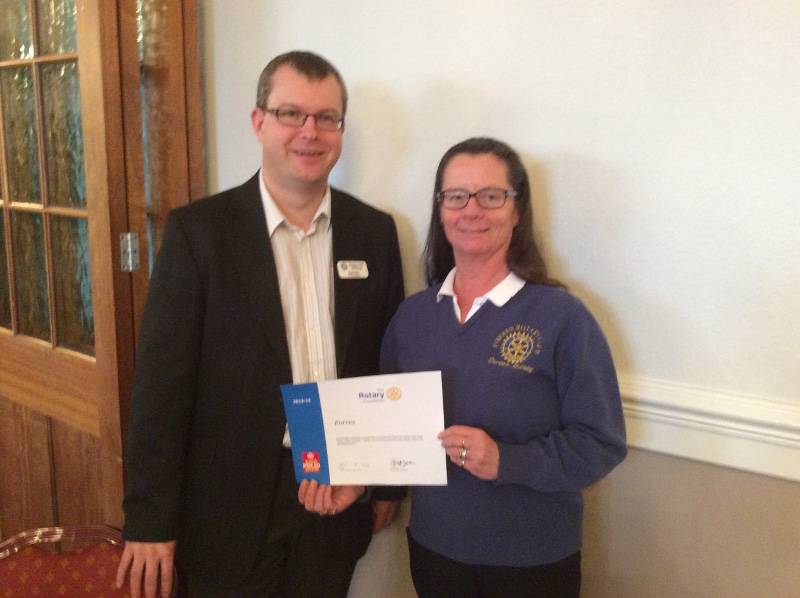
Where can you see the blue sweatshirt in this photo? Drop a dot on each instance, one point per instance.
(536, 375)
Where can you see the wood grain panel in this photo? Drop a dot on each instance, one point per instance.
(76, 473)
(26, 492)
(53, 382)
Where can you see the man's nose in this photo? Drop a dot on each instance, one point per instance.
(310, 126)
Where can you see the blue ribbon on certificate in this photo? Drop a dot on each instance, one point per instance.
(304, 414)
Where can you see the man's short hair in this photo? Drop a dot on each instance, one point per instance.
(313, 66)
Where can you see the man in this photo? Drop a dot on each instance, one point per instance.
(283, 279)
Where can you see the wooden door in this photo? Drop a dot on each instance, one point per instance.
(69, 186)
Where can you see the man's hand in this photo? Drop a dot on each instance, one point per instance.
(148, 562)
(383, 513)
(327, 500)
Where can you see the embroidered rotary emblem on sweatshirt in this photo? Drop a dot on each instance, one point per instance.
(514, 345)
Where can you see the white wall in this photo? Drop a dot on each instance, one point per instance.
(664, 139)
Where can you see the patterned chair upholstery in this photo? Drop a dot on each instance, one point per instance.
(61, 562)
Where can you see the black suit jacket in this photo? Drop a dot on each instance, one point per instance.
(204, 437)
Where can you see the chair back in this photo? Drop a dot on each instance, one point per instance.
(62, 561)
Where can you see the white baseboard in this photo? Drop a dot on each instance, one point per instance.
(758, 434)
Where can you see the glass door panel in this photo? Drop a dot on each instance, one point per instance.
(63, 139)
(30, 274)
(72, 282)
(19, 123)
(57, 26)
(15, 32)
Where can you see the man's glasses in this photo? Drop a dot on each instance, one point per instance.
(291, 117)
(489, 198)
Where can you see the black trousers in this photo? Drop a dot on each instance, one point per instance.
(303, 555)
(435, 576)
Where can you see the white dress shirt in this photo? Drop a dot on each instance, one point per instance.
(304, 263)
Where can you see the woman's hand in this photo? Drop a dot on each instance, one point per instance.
(327, 500)
(473, 449)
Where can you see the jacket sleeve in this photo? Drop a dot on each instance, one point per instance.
(590, 441)
(163, 391)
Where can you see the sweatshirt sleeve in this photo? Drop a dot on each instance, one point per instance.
(590, 440)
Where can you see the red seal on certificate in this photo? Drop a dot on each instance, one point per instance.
(310, 461)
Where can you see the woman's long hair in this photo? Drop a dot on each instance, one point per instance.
(524, 258)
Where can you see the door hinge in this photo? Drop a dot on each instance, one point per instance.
(129, 251)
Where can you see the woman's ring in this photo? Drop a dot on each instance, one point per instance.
(462, 454)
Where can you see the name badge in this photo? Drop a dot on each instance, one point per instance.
(352, 269)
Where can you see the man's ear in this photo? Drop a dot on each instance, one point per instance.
(257, 119)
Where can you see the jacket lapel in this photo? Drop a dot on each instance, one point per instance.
(247, 235)
(347, 292)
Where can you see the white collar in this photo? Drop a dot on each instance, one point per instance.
(275, 217)
(499, 294)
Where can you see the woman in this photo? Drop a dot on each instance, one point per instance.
(531, 397)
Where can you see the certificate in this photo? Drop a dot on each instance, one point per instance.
(369, 430)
